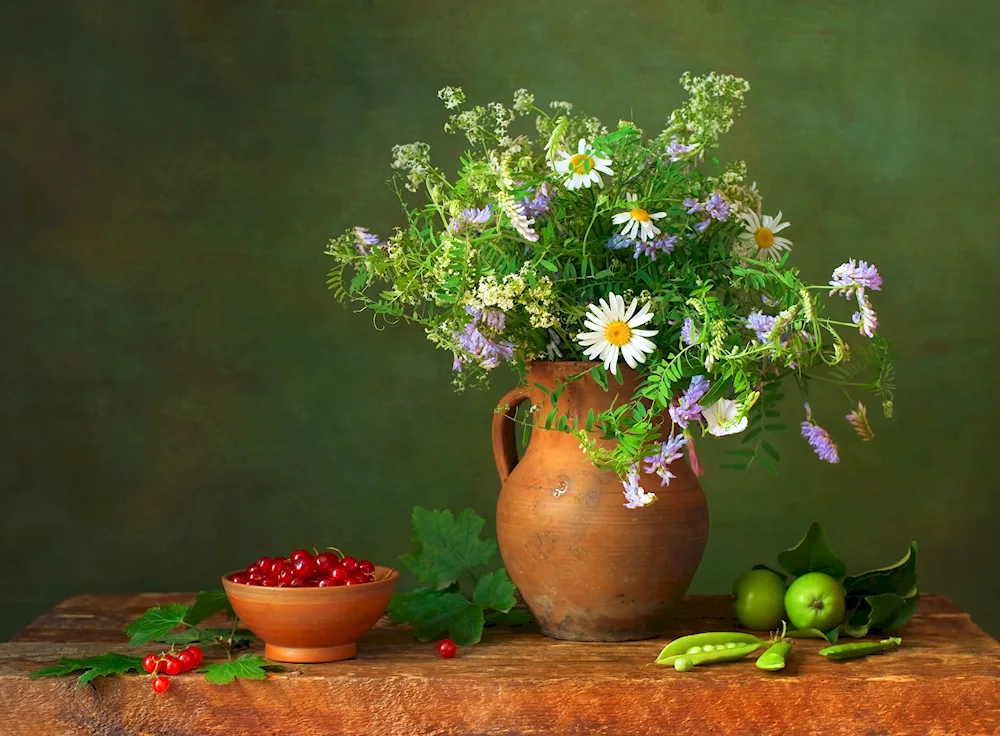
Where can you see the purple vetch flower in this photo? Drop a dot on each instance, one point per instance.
(538, 204)
(471, 219)
(677, 150)
(819, 439)
(659, 463)
(651, 248)
(761, 323)
(689, 333)
(635, 495)
(620, 242)
(717, 206)
(693, 205)
(855, 275)
(364, 240)
(477, 347)
(866, 319)
(703, 225)
(687, 408)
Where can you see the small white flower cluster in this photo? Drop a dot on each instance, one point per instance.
(453, 97)
(515, 291)
(537, 302)
(415, 159)
(714, 101)
(518, 219)
(524, 101)
(443, 264)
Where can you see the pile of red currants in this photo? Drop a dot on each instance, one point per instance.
(170, 664)
(304, 570)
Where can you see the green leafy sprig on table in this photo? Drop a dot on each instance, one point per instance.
(877, 600)
(175, 624)
(447, 548)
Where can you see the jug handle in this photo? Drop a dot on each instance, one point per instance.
(504, 442)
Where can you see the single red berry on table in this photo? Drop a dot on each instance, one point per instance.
(446, 648)
(239, 578)
(171, 665)
(160, 684)
(366, 567)
(187, 660)
(149, 663)
(195, 653)
(298, 553)
(325, 561)
(304, 567)
(269, 582)
(349, 563)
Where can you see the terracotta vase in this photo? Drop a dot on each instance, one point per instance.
(587, 567)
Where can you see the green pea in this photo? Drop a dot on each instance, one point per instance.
(731, 645)
(683, 664)
(774, 658)
(860, 648)
(681, 646)
(708, 648)
(693, 650)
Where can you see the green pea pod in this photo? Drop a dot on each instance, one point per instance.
(774, 658)
(681, 645)
(860, 648)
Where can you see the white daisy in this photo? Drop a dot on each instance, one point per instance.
(763, 233)
(721, 418)
(584, 167)
(615, 331)
(638, 221)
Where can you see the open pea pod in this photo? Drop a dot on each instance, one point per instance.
(723, 646)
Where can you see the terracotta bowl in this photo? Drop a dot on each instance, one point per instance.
(312, 624)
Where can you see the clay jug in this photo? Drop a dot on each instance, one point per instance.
(588, 568)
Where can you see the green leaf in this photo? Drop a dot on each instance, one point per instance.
(750, 436)
(429, 611)
(466, 628)
(103, 665)
(513, 617)
(207, 603)
(590, 419)
(903, 613)
(549, 265)
(600, 375)
(495, 590)
(810, 634)
(813, 554)
(770, 450)
(207, 636)
(899, 578)
(767, 465)
(447, 546)
(247, 667)
(156, 623)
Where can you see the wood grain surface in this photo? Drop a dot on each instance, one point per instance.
(944, 680)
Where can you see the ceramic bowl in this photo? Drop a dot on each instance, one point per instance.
(312, 624)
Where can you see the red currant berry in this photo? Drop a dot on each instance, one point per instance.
(340, 574)
(299, 553)
(161, 684)
(256, 581)
(195, 653)
(447, 648)
(360, 578)
(352, 581)
(277, 566)
(254, 577)
(264, 563)
(325, 561)
(366, 567)
(171, 665)
(187, 661)
(149, 663)
(296, 583)
(252, 570)
(349, 563)
(269, 582)
(239, 578)
(327, 583)
(285, 577)
(310, 583)
(304, 567)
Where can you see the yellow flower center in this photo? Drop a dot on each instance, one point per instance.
(618, 333)
(640, 214)
(764, 238)
(582, 163)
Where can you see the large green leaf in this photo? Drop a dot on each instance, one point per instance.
(466, 628)
(156, 623)
(103, 665)
(495, 590)
(899, 578)
(247, 667)
(207, 603)
(813, 554)
(447, 546)
(430, 611)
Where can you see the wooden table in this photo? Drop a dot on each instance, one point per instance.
(944, 680)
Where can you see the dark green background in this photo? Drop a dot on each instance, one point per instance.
(180, 394)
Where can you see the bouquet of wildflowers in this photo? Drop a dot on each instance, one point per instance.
(583, 243)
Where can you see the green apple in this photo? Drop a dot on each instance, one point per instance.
(759, 599)
(815, 601)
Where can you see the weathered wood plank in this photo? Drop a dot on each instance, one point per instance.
(945, 679)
